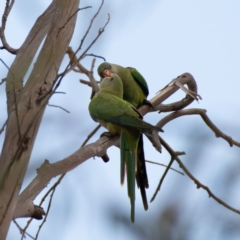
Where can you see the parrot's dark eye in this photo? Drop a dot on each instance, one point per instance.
(111, 78)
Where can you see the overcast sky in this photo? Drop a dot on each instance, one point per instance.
(162, 39)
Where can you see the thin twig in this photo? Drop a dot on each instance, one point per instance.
(79, 9)
(45, 218)
(4, 65)
(89, 27)
(95, 87)
(90, 135)
(52, 189)
(85, 82)
(101, 30)
(94, 55)
(59, 92)
(3, 80)
(72, 17)
(76, 61)
(164, 166)
(89, 73)
(206, 119)
(73, 59)
(25, 228)
(104, 157)
(7, 10)
(21, 230)
(209, 123)
(56, 106)
(2, 129)
(49, 205)
(165, 172)
(199, 184)
(84, 8)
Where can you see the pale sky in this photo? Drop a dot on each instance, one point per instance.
(162, 39)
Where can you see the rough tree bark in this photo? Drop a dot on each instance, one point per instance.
(26, 104)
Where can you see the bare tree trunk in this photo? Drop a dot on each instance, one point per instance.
(26, 104)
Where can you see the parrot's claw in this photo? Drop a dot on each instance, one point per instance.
(106, 134)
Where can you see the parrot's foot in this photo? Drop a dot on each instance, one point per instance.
(108, 134)
(146, 102)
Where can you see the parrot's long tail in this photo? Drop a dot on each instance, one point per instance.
(141, 176)
(129, 143)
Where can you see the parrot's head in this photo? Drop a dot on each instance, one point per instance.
(105, 70)
(113, 85)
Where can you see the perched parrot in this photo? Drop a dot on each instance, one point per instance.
(135, 88)
(135, 91)
(120, 117)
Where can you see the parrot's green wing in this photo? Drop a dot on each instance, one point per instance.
(140, 80)
(134, 122)
(123, 113)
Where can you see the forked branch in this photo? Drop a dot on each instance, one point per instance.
(206, 119)
(196, 181)
(8, 7)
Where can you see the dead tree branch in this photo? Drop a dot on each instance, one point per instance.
(8, 7)
(160, 164)
(52, 105)
(47, 171)
(89, 27)
(90, 135)
(31, 99)
(209, 123)
(94, 55)
(21, 230)
(166, 92)
(197, 182)
(206, 119)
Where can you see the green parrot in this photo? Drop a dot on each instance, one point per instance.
(135, 91)
(120, 117)
(135, 88)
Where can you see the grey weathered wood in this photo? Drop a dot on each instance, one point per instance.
(26, 104)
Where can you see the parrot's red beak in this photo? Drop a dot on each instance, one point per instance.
(107, 73)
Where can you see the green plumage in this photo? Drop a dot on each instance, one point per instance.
(135, 91)
(135, 88)
(128, 144)
(119, 116)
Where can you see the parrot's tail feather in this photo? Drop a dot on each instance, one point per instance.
(122, 162)
(129, 142)
(132, 214)
(141, 176)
